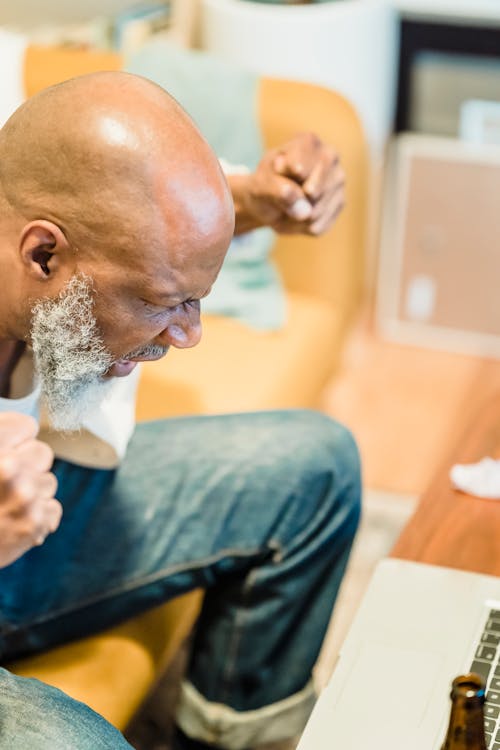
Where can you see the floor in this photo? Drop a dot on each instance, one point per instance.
(404, 406)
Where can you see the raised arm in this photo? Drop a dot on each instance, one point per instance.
(297, 188)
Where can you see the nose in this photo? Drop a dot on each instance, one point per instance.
(184, 327)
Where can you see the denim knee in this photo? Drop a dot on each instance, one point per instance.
(40, 717)
(316, 428)
(340, 451)
(318, 458)
(320, 445)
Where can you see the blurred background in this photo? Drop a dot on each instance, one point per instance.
(423, 347)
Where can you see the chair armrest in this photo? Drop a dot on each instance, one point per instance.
(330, 267)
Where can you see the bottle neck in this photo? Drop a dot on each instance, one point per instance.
(466, 727)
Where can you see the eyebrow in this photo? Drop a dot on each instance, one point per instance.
(166, 298)
(162, 300)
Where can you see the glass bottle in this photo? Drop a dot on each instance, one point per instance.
(466, 727)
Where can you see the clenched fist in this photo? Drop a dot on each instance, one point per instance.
(28, 509)
(296, 188)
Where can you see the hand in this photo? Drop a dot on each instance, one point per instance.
(28, 510)
(297, 188)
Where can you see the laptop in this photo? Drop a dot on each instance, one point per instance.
(418, 627)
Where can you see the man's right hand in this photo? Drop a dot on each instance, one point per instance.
(28, 509)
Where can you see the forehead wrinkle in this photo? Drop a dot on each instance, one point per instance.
(177, 280)
(177, 253)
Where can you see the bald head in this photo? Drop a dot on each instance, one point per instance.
(99, 151)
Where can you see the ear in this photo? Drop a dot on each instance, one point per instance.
(44, 249)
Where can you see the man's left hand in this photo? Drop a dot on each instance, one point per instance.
(296, 188)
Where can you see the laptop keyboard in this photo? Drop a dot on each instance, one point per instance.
(486, 663)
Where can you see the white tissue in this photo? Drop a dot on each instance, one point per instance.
(481, 479)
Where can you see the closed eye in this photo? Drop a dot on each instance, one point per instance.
(155, 309)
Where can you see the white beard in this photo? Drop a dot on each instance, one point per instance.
(69, 354)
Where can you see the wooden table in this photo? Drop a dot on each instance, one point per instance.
(450, 527)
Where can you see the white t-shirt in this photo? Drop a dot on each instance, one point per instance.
(106, 430)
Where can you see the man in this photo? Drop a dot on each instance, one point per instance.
(115, 218)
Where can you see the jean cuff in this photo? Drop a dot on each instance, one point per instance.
(217, 724)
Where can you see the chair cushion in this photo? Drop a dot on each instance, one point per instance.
(113, 672)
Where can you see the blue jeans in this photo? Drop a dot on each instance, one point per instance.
(258, 509)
